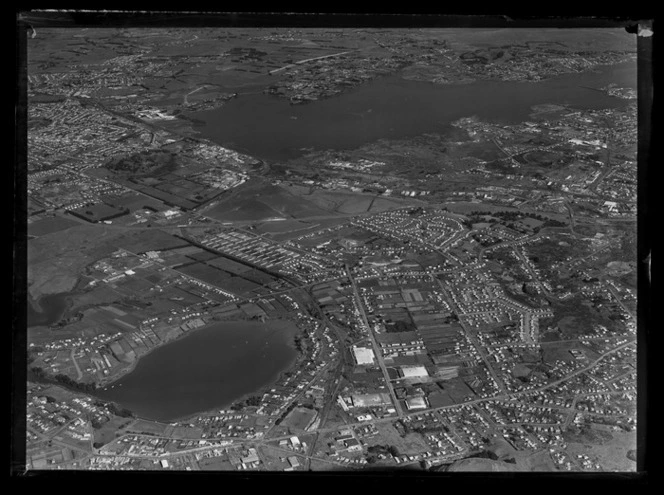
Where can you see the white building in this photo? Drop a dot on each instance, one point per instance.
(416, 403)
(364, 355)
(414, 371)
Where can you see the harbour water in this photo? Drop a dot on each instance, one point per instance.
(391, 107)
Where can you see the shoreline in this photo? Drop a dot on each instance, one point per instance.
(131, 367)
(258, 392)
(34, 303)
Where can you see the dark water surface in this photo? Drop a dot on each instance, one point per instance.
(47, 310)
(390, 107)
(210, 368)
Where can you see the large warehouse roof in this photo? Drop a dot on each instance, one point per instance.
(414, 371)
(416, 403)
(363, 355)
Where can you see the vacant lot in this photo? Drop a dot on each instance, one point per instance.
(273, 458)
(611, 455)
(205, 272)
(107, 432)
(186, 432)
(359, 204)
(412, 443)
(299, 418)
(219, 463)
(54, 261)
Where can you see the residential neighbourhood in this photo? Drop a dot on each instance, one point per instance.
(327, 290)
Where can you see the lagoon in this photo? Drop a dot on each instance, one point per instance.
(47, 310)
(209, 368)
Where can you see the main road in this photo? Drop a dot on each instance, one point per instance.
(374, 344)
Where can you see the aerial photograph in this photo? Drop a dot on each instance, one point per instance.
(331, 249)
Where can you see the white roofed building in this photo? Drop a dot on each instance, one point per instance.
(414, 371)
(364, 355)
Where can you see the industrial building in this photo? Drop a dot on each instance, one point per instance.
(363, 355)
(414, 371)
(416, 403)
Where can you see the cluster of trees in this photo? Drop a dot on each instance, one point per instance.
(485, 242)
(71, 383)
(144, 162)
(550, 222)
(400, 326)
(512, 216)
(383, 449)
(485, 454)
(113, 409)
(298, 343)
(285, 413)
(96, 424)
(252, 401)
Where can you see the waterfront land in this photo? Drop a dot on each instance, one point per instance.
(459, 299)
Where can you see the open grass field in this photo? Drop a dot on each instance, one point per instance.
(228, 265)
(611, 455)
(258, 277)
(186, 432)
(60, 394)
(412, 443)
(553, 351)
(246, 209)
(101, 294)
(283, 227)
(145, 426)
(273, 458)
(557, 248)
(54, 261)
(205, 272)
(108, 430)
(134, 201)
(466, 208)
(384, 204)
(340, 201)
(43, 335)
(258, 201)
(237, 285)
(360, 204)
(217, 463)
(47, 226)
(149, 240)
(299, 418)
